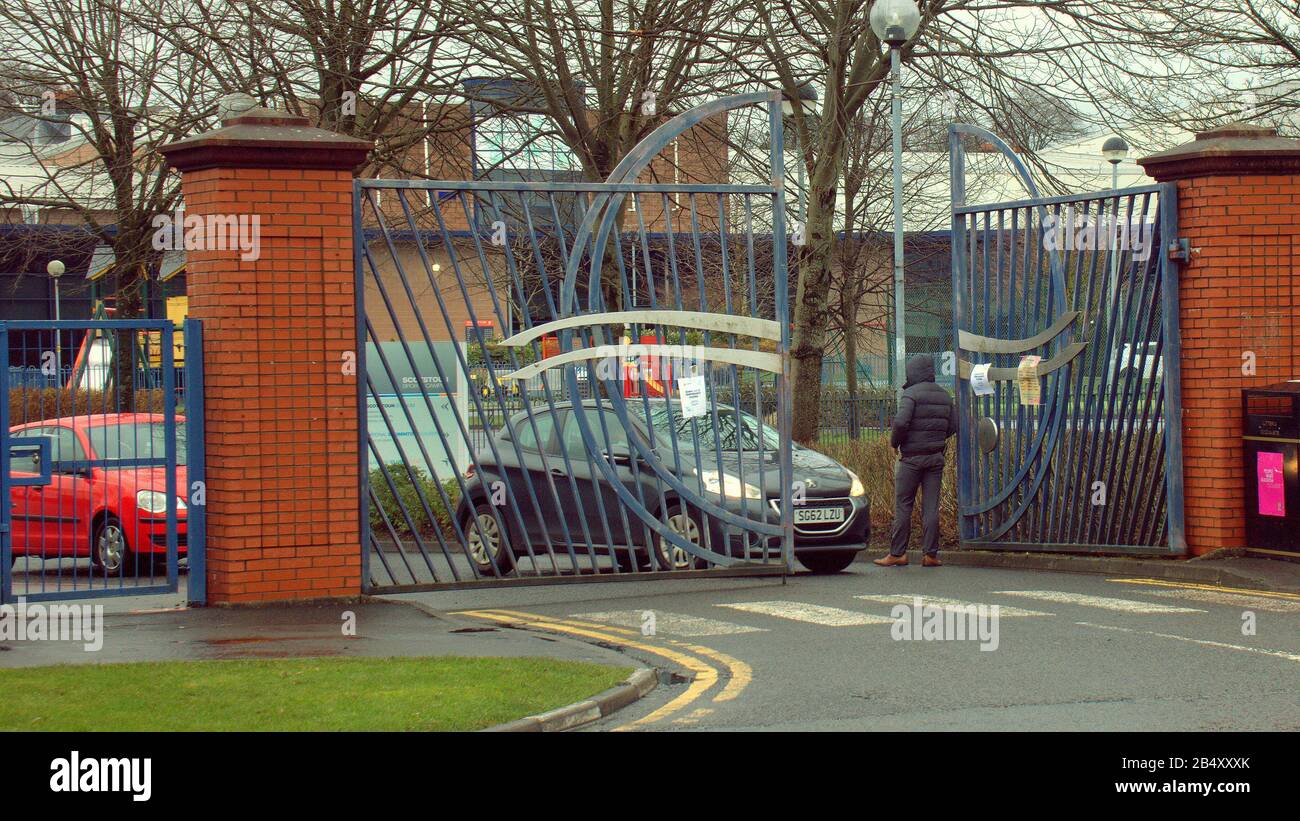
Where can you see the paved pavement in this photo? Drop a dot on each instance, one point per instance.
(1073, 651)
(382, 629)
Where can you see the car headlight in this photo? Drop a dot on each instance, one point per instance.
(729, 485)
(151, 501)
(856, 489)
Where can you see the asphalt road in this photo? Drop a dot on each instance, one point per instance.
(1073, 652)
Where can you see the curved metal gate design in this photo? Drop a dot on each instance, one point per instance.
(524, 348)
(1066, 310)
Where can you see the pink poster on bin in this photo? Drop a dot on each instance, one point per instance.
(1272, 496)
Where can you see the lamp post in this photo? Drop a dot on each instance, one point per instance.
(55, 269)
(1114, 150)
(895, 22)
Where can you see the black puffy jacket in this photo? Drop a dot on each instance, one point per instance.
(927, 416)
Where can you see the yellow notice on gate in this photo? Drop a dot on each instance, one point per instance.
(1027, 377)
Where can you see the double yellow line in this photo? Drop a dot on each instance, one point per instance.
(1241, 591)
(699, 661)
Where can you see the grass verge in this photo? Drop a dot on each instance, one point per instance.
(439, 693)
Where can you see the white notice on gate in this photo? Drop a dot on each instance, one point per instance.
(979, 380)
(694, 401)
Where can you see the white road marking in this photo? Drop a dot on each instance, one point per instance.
(674, 624)
(810, 613)
(1231, 599)
(1103, 602)
(1204, 642)
(950, 604)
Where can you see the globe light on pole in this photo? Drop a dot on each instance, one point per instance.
(1115, 150)
(55, 269)
(895, 22)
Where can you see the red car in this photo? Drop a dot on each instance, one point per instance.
(115, 515)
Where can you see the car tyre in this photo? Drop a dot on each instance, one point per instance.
(827, 563)
(683, 521)
(110, 552)
(486, 541)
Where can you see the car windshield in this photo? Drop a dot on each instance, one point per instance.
(724, 435)
(136, 440)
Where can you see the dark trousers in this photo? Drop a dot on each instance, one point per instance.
(913, 473)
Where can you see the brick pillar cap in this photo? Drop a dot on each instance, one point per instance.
(263, 138)
(1233, 149)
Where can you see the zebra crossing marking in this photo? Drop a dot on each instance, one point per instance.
(1223, 645)
(809, 613)
(1100, 602)
(951, 604)
(1232, 600)
(674, 624)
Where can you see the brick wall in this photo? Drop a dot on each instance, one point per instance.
(1239, 208)
(281, 412)
(1239, 299)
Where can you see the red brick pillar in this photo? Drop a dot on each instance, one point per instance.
(1239, 207)
(272, 281)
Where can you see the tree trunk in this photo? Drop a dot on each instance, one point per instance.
(851, 364)
(811, 318)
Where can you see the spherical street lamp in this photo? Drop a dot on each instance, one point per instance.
(55, 269)
(895, 21)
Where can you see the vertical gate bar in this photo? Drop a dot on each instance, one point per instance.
(1000, 396)
(957, 245)
(985, 330)
(6, 497)
(363, 434)
(1173, 391)
(776, 139)
(169, 446)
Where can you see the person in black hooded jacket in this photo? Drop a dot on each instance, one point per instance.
(927, 416)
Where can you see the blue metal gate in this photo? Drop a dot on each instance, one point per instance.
(93, 459)
(522, 349)
(1080, 450)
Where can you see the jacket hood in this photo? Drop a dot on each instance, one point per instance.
(920, 368)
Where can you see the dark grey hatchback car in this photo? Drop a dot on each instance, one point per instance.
(731, 460)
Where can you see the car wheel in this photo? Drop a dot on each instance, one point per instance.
(827, 562)
(486, 543)
(683, 522)
(110, 552)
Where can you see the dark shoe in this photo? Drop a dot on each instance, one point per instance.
(931, 561)
(892, 561)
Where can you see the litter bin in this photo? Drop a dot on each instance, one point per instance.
(1271, 447)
